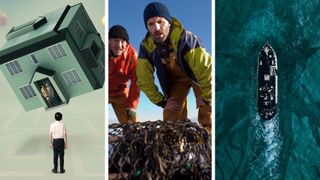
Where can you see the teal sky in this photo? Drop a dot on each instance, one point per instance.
(195, 17)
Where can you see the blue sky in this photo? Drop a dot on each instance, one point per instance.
(195, 17)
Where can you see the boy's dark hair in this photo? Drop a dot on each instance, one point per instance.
(58, 116)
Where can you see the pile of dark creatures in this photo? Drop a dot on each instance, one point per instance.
(159, 150)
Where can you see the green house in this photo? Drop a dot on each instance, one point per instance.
(53, 58)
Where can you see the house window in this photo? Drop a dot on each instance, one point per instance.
(57, 51)
(79, 29)
(101, 68)
(94, 49)
(71, 77)
(13, 67)
(27, 92)
(34, 59)
(85, 17)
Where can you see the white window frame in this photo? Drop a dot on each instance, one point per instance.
(80, 27)
(30, 94)
(55, 53)
(70, 78)
(13, 67)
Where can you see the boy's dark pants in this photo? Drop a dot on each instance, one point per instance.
(58, 151)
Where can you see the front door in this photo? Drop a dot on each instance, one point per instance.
(48, 93)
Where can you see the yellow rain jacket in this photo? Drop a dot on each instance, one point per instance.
(190, 55)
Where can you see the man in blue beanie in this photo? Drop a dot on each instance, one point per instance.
(182, 63)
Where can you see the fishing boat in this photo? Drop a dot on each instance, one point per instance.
(267, 90)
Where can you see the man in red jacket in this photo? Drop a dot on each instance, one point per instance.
(122, 68)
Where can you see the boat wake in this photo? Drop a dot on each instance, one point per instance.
(265, 148)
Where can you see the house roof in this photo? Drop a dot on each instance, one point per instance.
(37, 34)
(43, 71)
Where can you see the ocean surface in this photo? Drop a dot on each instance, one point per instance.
(288, 146)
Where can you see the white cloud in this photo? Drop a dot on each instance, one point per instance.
(3, 19)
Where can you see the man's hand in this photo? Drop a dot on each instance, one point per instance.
(172, 105)
(50, 146)
(131, 114)
(65, 146)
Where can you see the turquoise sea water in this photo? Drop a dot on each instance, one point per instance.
(288, 146)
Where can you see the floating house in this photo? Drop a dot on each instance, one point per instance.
(53, 58)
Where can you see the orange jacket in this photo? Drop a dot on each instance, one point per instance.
(121, 70)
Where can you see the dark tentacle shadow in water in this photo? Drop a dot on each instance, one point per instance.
(240, 148)
(316, 169)
(313, 116)
(222, 175)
